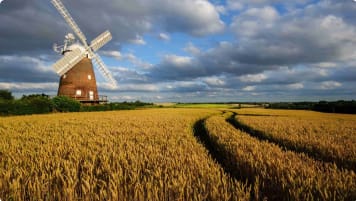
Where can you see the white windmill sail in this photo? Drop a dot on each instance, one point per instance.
(68, 18)
(100, 41)
(97, 43)
(102, 68)
(68, 61)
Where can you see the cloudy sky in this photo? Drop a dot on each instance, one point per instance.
(191, 50)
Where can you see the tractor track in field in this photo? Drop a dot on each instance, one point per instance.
(235, 169)
(260, 135)
(228, 161)
(219, 154)
(213, 149)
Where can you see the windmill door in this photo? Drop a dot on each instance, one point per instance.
(91, 95)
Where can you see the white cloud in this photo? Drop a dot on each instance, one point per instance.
(164, 36)
(253, 78)
(130, 87)
(115, 54)
(234, 5)
(198, 17)
(266, 14)
(126, 75)
(241, 4)
(36, 63)
(124, 98)
(295, 86)
(249, 23)
(25, 69)
(214, 81)
(137, 61)
(28, 86)
(178, 61)
(295, 38)
(192, 49)
(158, 97)
(221, 9)
(249, 88)
(330, 85)
(182, 86)
(138, 40)
(326, 65)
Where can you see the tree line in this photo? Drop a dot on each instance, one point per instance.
(43, 104)
(341, 106)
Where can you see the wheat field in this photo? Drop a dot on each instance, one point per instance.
(159, 154)
(329, 137)
(278, 173)
(129, 155)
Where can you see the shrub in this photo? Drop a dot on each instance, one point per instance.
(65, 104)
(5, 107)
(33, 104)
(115, 106)
(36, 104)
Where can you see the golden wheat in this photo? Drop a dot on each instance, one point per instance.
(125, 155)
(279, 174)
(330, 137)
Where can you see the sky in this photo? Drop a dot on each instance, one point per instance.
(191, 50)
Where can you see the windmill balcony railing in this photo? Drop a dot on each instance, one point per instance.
(98, 98)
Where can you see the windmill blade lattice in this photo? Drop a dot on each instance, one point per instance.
(102, 68)
(68, 61)
(68, 18)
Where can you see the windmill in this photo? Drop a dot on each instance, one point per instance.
(77, 78)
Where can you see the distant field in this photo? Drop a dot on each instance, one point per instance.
(212, 153)
(207, 105)
(202, 105)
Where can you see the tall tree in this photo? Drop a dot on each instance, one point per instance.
(6, 95)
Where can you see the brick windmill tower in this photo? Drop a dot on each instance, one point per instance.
(76, 67)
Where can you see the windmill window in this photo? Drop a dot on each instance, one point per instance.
(89, 77)
(91, 95)
(78, 92)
